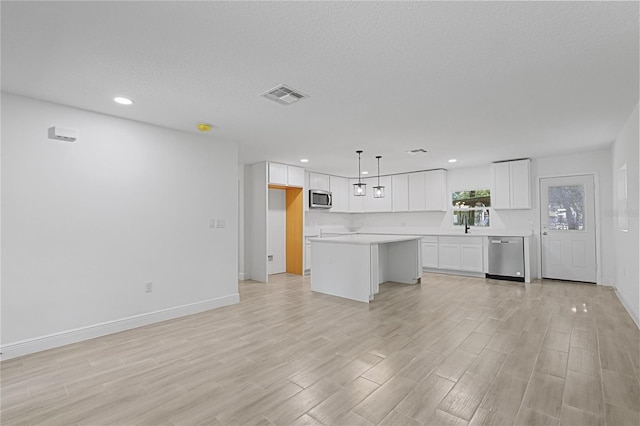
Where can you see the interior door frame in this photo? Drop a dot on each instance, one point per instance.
(596, 200)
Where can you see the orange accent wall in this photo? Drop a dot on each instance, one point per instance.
(295, 226)
(284, 188)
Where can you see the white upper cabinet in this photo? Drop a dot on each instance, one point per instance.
(436, 190)
(520, 191)
(500, 181)
(282, 174)
(400, 193)
(417, 192)
(295, 176)
(340, 191)
(319, 181)
(511, 181)
(356, 204)
(277, 174)
(372, 204)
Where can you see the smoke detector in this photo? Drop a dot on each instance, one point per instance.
(284, 95)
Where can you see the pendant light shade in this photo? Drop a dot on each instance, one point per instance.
(359, 189)
(378, 191)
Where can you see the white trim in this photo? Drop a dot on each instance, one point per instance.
(37, 344)
(627, 306)
(596, 201)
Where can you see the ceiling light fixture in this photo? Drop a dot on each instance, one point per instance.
(204, 127)
(453, 160)
(365, 173)
(378, 191)
(304, 160)
(359, 189)
(123, 101)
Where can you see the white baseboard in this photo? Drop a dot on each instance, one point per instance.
(454, 272)
(242, 276)
(29, 346)
(606, 281)
(633, 315)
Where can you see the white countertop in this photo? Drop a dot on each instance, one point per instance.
(436, 232)
(474, 232)
(366, 239)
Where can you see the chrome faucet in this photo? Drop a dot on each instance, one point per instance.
(465, 223)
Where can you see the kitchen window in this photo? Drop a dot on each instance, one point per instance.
(472, 206)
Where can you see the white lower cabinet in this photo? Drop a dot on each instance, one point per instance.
(471, 257)
(459, 254)
(307, 256)
(449, 256)
(430, 252)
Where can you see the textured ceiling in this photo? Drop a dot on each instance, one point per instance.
(478, 81)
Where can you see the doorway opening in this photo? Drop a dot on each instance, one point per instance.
(285, 230)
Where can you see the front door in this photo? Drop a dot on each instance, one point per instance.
(567, 220)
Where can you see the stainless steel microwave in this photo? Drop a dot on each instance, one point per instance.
(319, 199)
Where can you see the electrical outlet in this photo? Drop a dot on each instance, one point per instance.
(212, 223)
(148, 287)
(220, 223)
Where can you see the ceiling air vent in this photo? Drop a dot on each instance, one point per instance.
(284, 95)
(417, 151)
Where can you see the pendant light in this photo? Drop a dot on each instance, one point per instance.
(359, 189)
(378, 191)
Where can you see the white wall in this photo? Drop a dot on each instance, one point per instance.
(625, 151)
(255, 222)
(277, 231)
(86, 224)
(317, 219)
(598, 162)
(241, 227)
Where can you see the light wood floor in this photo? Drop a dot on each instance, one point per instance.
(451, 351)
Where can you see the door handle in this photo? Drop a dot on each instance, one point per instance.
(544, 233)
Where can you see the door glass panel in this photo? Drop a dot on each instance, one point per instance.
(566, 207)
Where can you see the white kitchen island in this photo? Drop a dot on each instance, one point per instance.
(353, 266)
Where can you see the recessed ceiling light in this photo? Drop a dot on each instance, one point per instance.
(453, 160)
(123, 101)
(304, 160)
(365, 173)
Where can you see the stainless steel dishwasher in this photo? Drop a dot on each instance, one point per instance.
(506, 258)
